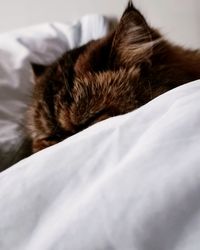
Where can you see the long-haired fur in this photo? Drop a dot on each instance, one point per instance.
(104, 78)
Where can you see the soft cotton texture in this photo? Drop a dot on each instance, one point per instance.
(131, 182)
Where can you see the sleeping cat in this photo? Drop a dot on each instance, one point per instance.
(104, 78)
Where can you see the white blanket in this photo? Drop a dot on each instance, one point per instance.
(128, 183)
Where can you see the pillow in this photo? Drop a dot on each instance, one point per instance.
(40, 44)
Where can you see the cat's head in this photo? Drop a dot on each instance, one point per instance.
(104, 78)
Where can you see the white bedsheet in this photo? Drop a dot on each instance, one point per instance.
(131, 182)
(128, 183)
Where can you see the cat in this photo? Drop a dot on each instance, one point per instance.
(104, 78)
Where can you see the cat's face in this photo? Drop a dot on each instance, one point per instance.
(68, 98)
(104, 78)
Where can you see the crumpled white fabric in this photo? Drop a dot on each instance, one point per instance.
(130, 182)
(40, 44)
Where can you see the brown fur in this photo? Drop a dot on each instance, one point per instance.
(111, 76)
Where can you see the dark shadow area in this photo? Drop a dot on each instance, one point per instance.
(17, 153)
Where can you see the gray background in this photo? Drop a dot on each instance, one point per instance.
(178, 19)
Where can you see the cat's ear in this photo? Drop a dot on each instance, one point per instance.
(38, 69)
(133, 39)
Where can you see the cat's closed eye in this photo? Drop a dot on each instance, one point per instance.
(104, 78)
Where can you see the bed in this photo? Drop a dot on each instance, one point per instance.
(129, 182)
